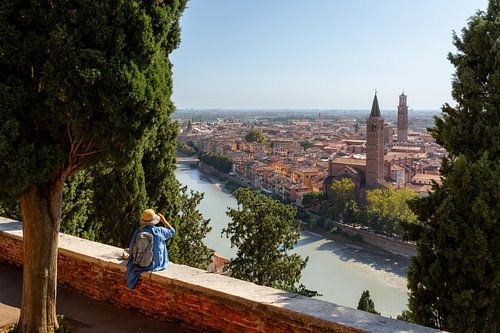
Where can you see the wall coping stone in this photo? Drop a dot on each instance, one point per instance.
(226, 287)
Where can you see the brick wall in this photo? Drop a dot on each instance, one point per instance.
(195, 298)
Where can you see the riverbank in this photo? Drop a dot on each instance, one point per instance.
(338, 268)
(346, 233)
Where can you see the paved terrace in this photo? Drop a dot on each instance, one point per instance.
(182, 295)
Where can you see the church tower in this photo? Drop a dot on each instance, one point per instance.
(402, 119)
(374, 146)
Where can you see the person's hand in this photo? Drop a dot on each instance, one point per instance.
(161, 216)
(163, 220)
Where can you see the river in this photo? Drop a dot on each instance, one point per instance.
(338, 270)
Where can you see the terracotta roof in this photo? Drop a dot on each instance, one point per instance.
(349, 161)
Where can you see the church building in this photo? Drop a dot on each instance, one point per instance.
(365, 173)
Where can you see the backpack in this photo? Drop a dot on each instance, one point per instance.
(143, 249)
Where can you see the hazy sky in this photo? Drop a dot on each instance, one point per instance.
(325, 54)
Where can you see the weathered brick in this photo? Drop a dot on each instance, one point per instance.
(208, 311)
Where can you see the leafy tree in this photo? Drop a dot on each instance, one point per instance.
(255, 135)
(187, 247)
(454, 280)
(352, 214)
(306, 144)
(185, 149)
(290, 285)
(311, 198)
(81, 82)
(388, 208)
(264, 231)
(365, 303)
(218, 161)
(341, 192)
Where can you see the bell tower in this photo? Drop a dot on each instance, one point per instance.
(374, 146)
(402, 119)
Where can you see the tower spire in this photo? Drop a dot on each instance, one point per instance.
(375, 108)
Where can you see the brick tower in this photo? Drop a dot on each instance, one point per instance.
(402, 119)
(374, 146)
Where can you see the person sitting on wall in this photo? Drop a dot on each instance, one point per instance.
(148, 251)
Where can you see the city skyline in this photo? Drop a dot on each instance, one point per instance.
(326, 55)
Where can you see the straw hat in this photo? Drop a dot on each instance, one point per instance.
(149, 217)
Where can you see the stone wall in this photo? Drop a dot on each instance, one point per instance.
(387, 243)
(192, 297)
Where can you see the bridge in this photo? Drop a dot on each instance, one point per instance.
(188, 160)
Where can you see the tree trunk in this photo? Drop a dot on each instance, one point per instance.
(41, 213)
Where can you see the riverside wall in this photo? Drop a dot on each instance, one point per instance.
(192, 297)
(387, 243)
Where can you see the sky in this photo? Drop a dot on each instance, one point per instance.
(317, 54)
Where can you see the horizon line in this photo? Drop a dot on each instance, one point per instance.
(286, 109)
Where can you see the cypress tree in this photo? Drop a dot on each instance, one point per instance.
(118, 201)
(105, 203)
(187, 247)
(454, 280)
(82, 82)
(165, 194)
(77, 216)
(366, 303)
(162, 188)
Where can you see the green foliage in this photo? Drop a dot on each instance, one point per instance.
(405, 316)
(352, 214)
(454, 280)
(10, 208)
(264, 231)
(119, 199)
(311, 198)
(342, 191)
(289, 285)
(187, 247)
(83, 84)
(306, 144)
(387, 209)
(365, 303)
(78, 216)
(218, 161)
(80, 81)
(255, 135)
(109, 199)
(185, 149)
(159, 164)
